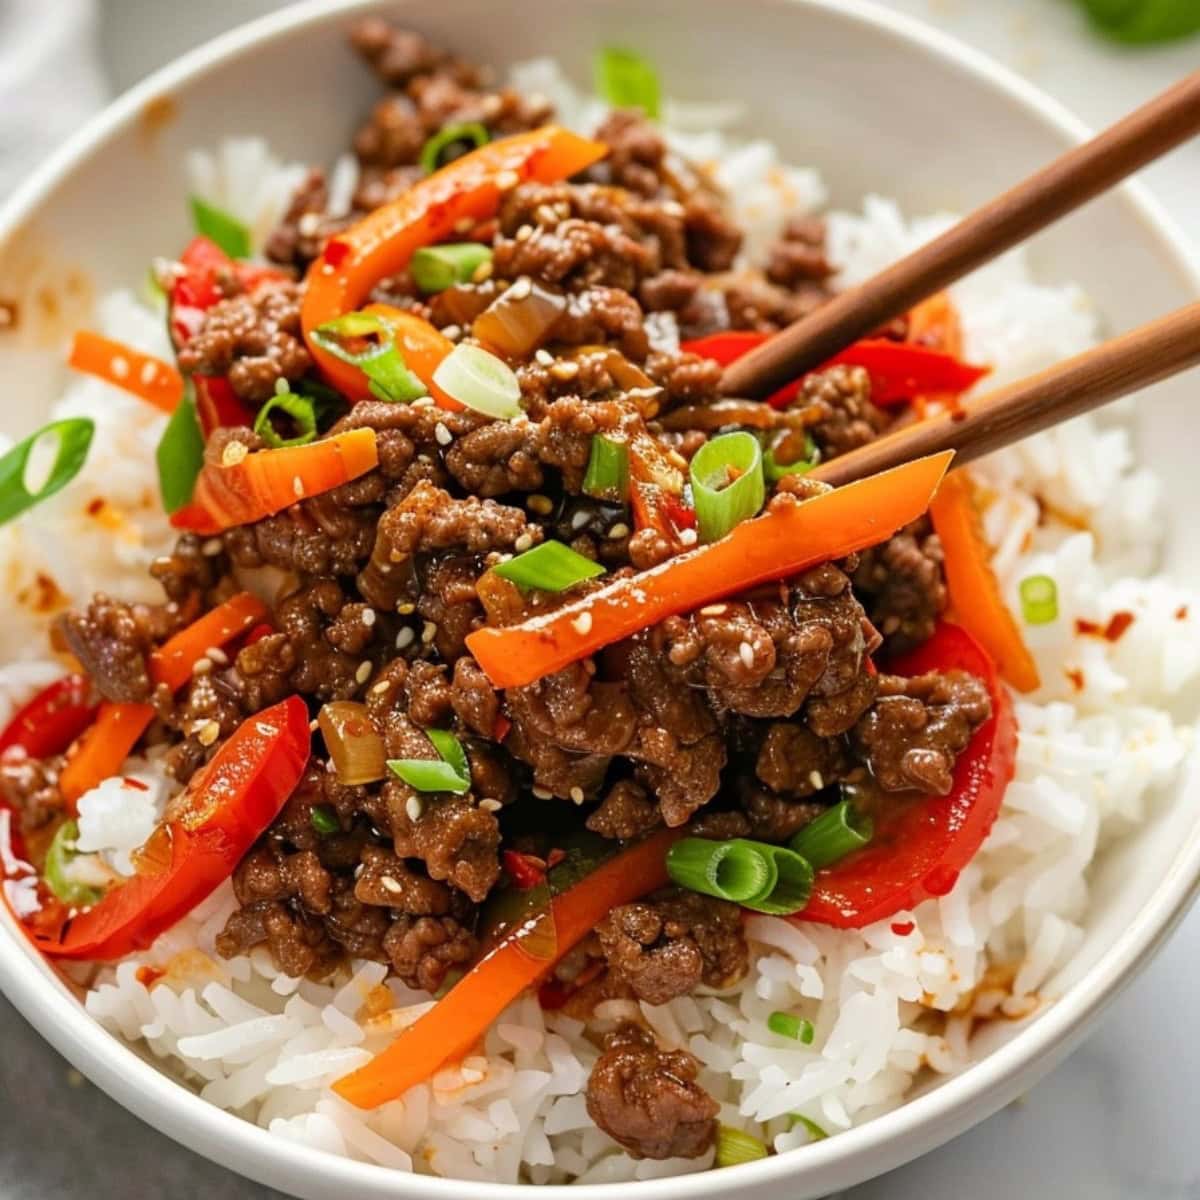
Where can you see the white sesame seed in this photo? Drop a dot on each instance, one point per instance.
(522, 234)
(540, 504)
(217, 655)
(313, 726)
(522, 288)
(544, 357)
(687, 537)
(746, 653)
(297, 485)
(233, 454)
(212, 547)
(443, 435)
(713, 610)
(428, 632)
(382, 686)
(562, 371)
(490, 805)
(119, 366)
(482, 272)
(390, 885)
(523, 543)
(331, 767)
(580, 519)
(582, 623)
(577, 795)
(208, 733)
(507, 180)
(816, 779)
(546, 215)
(542, 793)
(404, 638)
(618, 531)
(369, 617)
(423, 402)
(406, 607)
(148, 373)
(308, 224)
(453, 332)
(364, 672)
(202, 666)
(414, 808)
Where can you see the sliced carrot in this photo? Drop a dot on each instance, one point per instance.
(143, 375)
(780, 543)
(974, 590)
(106, 744)
(457, 1021)
(267, 481)
(422, 345)
(468, 190)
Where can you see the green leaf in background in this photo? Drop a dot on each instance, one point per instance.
(227, 231)
(627, 80)
(1141, 21)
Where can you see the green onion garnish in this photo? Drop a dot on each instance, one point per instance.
(180, 454)
(1039, 599)
(769, 879)
(324, 819)
(59, 856)
(466, 131)
(301, 409)
(70, 440)
(815, 1132)
(228, 232)
(435, 268)
(734, 1146)
(624, 79)
(833, 835)
(450, 773)
(727, 483)
(785, 1024)
(607, 475)
(380, 361)
(477, 378)
(775, 470)
(550, 567)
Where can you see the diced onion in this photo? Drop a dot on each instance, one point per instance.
(353, 742)
(520, 319)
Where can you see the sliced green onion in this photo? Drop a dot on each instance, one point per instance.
(734, 870)
(435, 268)
(69, 441)
(1039, 599)
(59, 857)
(734, 1146)
(607, 475)
(833, 835)
(727, 483)
(627, 80)
(302, 410)
(550, 567)
(324, 819)
(381, 362)
(465, 131)
(429, 775)
(481, 381)
(180, 454)
(775, 470)
(785, 1024)
(451, 750)
(807, 1032)
(792, 885)
(228, 232)
(815, 1132)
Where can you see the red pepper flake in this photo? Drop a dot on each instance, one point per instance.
(903, 928)
(1117, 625)
(555, 857)
(136, 784)
(147, 976)
(1181, 613)
(94, 507)
(553, 995)
(1088, 628)
(679, 514)
(525, 870)
(336, 252)
(1076, 678)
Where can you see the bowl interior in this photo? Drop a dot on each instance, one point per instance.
(843, 87)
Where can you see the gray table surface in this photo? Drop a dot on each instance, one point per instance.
(1115, 1122)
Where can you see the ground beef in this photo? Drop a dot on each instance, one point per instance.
(775, 818)
(665, 945)
(626, 812)
(306, 618)
(574, 253)
(30, 787)
(252, 339)
(903, 586)
(304, 227)
(794, 762)
(799, 255)
(191, 571)
(111, 641)
(914, 732)
(648, 1099)
(838, 408)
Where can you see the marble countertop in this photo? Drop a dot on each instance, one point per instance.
(1115, 1122)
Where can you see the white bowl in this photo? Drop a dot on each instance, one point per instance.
(879, 103)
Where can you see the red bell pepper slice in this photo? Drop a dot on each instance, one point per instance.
(53, 719)
(203, 836)
(920, 848)
(899, 371)
(218, 405)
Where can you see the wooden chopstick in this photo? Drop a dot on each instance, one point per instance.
(1145, 355)
(1068, 182)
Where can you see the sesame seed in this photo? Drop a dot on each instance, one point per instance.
(746, 653)
(443, 435)
(428, 632)
(540, 504)
(119, 366)
(522, 234)
(673, 208)
(313, 726)
(687, 537)
(423, 402)
(490, 805)
(297, 485)
(202, 666)
(482, 272)
(414, 808)
(382, 686)
(212, 547)
(148, 373)
(208, 733)
(331, 767)
(522, 288)
(580, 519)
(364, 672)
(523, 543)
(618, 531)
(406, 608)
(507, 180)
(713, 610)
(404, 638)
(582, 623)
(453, 332)
(308, 224)
(542, 793)
(544, 357)
(390, 885)
(546, 215)
(217, 655)
(369, 617)
(562, 371)
(577, 795)
(233, 454)
(816, 779)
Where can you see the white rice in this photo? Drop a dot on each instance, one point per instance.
(886, 1002)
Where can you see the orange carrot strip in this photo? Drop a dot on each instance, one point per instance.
(454, 1024)
(468, 189)
(782, 541)
(106, 744)
(422, 346)
(935, 324)
(268, 481)
(142, 374)
(974, 591)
